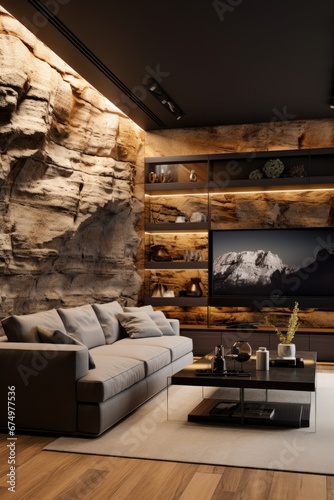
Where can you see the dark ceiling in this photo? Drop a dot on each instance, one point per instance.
(221, 61)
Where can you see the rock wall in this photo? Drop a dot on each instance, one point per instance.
(71, 185)
(276, 135)
(70, 220)
(245, 210)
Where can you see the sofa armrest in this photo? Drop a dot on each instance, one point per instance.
(175, 324)
(44, 378)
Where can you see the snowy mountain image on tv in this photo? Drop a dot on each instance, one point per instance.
(264, 262)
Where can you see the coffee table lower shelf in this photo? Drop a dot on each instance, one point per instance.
(255, 413)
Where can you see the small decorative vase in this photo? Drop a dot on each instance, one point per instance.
(218, 362)
(194, 289)
(160, 253)
(192, 176)
(286, 350)
(152, 177)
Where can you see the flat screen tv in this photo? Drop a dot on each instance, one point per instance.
(261, 268)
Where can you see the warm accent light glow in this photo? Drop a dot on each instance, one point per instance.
(169, 195)
(273, 191)
(203, 233)
(192, 268)
(258, 191)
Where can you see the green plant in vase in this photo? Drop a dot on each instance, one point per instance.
(286, 349)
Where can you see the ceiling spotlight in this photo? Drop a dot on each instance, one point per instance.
(162, 96)
(153, 86)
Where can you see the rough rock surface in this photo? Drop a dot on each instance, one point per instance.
(68, 214)
(276, 135)
(71, 189)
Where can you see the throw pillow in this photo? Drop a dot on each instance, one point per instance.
(107, 316)
(139, 325)
(81, 323)
(48, 336)
(138, 309)
(162, 322)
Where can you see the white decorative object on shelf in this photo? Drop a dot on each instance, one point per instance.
(198, 217)
(193, 176)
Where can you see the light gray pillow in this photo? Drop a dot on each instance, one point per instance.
(138, 309)
(162, 322)
(107, 316)
(139, 325)
(82, 324)
(48, 336)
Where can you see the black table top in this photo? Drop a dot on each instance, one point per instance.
(280, 378)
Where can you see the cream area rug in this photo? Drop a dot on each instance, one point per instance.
(159, 430)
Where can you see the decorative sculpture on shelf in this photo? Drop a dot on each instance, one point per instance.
(240, 351)
(193, 176)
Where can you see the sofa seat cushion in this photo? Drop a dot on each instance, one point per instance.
(112, 375)
(82, 324)
(154, 357)
(177, 345)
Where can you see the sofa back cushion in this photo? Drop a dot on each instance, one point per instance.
(107, 315)
(23, 328)
(82, 324)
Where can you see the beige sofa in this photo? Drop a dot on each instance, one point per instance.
(80, 370)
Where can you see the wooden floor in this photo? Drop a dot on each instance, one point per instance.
(42, 475)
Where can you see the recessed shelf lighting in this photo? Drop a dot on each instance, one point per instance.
(174, 195)
(308, 188)
(198, 233)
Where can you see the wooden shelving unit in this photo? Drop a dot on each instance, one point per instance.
(217, 174)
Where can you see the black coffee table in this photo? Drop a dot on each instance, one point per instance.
(252, 412)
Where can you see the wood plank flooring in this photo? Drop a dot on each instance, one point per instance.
(46, 475)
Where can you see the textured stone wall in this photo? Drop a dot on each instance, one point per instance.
(276, 135)
(246, 210)
(70, 217)
(71, 186)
